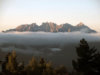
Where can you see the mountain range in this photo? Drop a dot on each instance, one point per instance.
(52, 27)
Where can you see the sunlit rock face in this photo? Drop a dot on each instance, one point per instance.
(53, 27)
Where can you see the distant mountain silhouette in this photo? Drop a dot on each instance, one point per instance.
(52, 27)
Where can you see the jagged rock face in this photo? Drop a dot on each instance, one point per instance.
(48, 27)
(52, 27)
(83, 28)
(32, 27)
(80, 24)
(66, 27)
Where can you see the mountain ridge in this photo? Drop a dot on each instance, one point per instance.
(52, 27)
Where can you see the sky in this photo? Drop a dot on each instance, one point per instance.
(16, 12)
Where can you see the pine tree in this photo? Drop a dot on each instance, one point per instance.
(14, 59)
(32, 68)
(87, 58)
(33, 63)
(5, 62)
(48, 70)
(42, 65)
(11, 64)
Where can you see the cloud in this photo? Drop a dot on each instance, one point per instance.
(42, 38)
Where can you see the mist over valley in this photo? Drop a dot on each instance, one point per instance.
(57, 47)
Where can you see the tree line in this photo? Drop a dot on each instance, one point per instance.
(87, 63)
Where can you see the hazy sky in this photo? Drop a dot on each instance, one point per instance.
(16, 12)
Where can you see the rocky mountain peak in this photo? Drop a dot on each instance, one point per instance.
(81, 24)
(53, 27)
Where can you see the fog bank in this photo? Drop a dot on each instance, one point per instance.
(44, 38)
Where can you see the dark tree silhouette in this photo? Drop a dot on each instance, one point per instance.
(5, 62)
(88, 61)
(11, 65)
